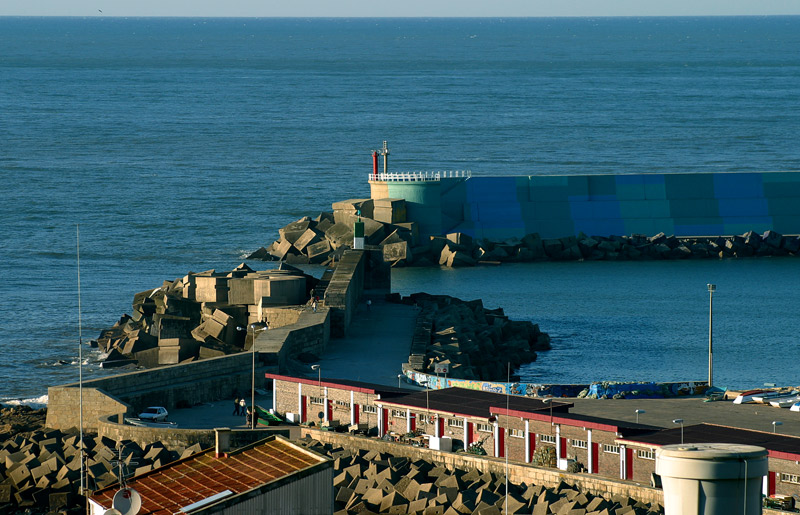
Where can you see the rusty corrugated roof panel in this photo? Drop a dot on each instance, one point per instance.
(166, 490)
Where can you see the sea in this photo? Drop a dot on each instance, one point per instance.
(145, 148)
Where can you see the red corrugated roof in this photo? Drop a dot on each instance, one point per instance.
(166, 490)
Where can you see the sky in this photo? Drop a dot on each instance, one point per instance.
(397, 8)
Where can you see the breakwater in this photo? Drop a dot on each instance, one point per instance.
(684, 204)
(464, 340)
(389, 229)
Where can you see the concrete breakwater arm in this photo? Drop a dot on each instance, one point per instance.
(469, 341)
(405, 239)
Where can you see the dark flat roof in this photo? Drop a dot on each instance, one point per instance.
(777, 444)
(344, 384)
(472, 403)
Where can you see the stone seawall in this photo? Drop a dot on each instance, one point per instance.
(172, 386)
(344, 291)
(309, 334)
(180, 438)
(517, 473)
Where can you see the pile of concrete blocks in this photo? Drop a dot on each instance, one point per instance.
(197, 316)
(41, 470)
(470, 339)
(457, 250)
(367, 482)
(323, 239)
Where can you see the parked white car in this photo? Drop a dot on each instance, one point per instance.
(154, 414)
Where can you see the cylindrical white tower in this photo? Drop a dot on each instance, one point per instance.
(711, 478)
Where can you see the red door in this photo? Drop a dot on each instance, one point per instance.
(770, 483)
(501, 442)
(470, 428)
(413, 421)
(563, 443)
(532, 439)
(629, 464)
(356, 413)
(303, 409)
(595, 456)
(385, 419)
(330, 409)
(441, 426)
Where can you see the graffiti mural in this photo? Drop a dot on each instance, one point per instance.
(597, 390)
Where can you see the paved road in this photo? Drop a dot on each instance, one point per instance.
(376, 345)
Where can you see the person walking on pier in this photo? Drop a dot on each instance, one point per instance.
(242, 406)
(235, 405)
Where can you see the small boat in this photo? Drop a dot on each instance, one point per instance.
(745, 397)
(765, 397)
(150, 423)
(784, 402)
(795, 406)
(266, 418)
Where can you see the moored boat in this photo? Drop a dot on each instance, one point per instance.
(784, 402)
(745, 397)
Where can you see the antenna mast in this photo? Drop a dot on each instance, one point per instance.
(80, 355)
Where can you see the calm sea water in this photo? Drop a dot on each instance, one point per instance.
(183, 144)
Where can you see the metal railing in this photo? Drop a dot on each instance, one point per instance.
(419, 176)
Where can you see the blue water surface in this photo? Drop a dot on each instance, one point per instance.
(183, 144)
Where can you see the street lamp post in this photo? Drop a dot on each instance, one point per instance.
(638, 411)
(775, 424)
(679, 421)
(427, 404)
(318, 368)
(711, 289)
(399, 378)
(252, 327)
(549, 401)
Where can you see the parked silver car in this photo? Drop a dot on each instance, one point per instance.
(154, 414)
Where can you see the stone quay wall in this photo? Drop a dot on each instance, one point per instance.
(171, 386)
(173, 438)
(516, 472)
(345, 290)
(310, 333)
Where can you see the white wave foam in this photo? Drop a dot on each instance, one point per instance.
(34, 402)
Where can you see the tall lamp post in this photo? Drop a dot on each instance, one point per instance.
(254, 330)
(318, 368)
(638, 411)
(427, 404)
(775, 424)
(679, 421)
(711, 289)
(549, 402)
(399, 378)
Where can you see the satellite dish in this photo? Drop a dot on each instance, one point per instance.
(127, 501)
(112, 511)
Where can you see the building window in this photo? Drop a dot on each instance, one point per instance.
(369, 409)
(648, 454)
(485, 428)
(397, 413)
(518, 433)
(610, 449)
(317, 400)
(455, 422)
(790, 478)
(580, 444)
(342, 404)
(547, 439)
